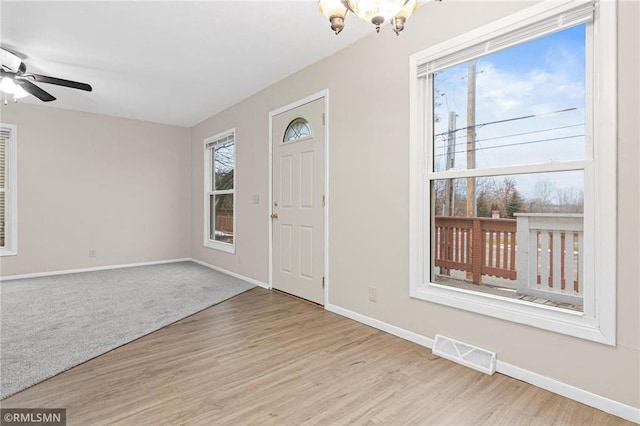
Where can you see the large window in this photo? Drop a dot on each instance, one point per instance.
(220, 191)
(513, 198)
(8, 188)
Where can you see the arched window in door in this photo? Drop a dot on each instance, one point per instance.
(298, 129)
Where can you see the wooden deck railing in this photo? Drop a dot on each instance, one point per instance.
(479, 246)
(548, 256)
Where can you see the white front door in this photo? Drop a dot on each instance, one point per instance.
(298, 201)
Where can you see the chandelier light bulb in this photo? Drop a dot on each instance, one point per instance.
(335, 11)
(401, 17)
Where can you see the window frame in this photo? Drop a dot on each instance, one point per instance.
(598, 321)
(210, 144)
(11, 192)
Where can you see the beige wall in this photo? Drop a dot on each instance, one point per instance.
(86, 181)
(252, 129)
(369, 182)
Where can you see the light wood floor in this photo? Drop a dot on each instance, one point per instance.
(268, 358)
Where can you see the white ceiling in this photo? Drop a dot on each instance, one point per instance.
(172, 62)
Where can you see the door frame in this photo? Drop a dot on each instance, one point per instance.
(319, 95)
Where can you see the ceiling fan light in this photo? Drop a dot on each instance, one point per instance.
(7, 85)
(19, 92)
(335, 11)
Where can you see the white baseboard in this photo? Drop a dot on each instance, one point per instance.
(233, 274)
(95, 268)
(607, 405)
(131, 265)
(381, 325)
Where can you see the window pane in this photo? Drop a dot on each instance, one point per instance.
(3, 156)
(212, 217)
(2, 219)
(521, 105)
(223, 208)
(521, 236)
(297, 129)
(223, 166)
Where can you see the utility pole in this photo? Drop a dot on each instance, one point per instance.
(451, 158)
(471, 161)
(471, 138)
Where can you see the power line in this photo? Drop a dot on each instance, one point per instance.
(529, 133)
(521, 134)
(515, 143)
(508, 119)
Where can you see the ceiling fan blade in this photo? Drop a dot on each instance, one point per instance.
(36, 91)
(61, 82)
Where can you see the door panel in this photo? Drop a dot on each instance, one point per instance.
(286, 249)
(286, 183)
(306, 180)
(298, 217)
(306, 251)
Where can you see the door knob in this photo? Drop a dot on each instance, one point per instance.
(274, 215)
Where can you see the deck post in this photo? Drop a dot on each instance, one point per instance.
(522, 255)
(477, 251)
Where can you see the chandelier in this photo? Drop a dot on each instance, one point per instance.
(375, 11)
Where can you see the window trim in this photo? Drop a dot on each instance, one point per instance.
(11, 195)
(598, 321)
(208, 178)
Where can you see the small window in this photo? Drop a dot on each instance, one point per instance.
(8, 188)
(298, 129)
(220, 192)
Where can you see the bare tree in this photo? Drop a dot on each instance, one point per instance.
(504, 191)
(439, 195)
(543, 194)
(570, 200)
(486, 189)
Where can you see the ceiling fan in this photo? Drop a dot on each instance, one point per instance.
(16, 81)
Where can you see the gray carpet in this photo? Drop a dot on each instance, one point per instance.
(50, 324)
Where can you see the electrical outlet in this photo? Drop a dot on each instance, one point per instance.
(373, 294)
(92, 253)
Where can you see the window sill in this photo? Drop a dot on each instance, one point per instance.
(550, 318)
(227, 248)
(8, 253)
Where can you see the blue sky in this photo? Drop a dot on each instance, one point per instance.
(536, 77)
(523, 58)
